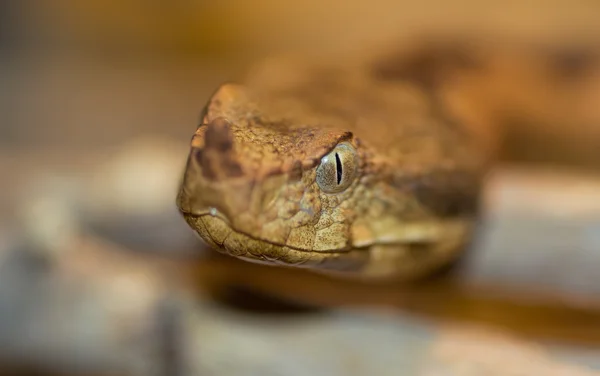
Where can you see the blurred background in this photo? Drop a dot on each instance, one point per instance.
(99, 275)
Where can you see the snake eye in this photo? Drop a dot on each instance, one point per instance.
(337, 169)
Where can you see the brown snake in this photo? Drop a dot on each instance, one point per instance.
(370, 165)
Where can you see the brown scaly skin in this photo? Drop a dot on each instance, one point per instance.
(424, 124)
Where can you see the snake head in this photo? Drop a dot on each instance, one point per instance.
(332, 171)
(257, 180)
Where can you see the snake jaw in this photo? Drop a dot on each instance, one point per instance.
(218, 233)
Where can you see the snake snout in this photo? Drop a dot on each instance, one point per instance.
(214, 179)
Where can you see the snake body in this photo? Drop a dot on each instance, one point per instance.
(367, 166)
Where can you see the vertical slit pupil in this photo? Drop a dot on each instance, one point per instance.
(338, 165)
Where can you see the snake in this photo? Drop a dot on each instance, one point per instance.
(369, 165)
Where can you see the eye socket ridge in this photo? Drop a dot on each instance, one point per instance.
(338, 169)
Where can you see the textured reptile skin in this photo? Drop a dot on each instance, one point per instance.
(423, 123)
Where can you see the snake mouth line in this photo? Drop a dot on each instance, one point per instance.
(217, 233)
(267, 243)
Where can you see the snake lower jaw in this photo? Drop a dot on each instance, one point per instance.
(403, 261)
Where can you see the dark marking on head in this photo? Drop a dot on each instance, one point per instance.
(217, 157)
(447, 194)
(295, 173)
(572, 64)
(428, 65)
(218, 136)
